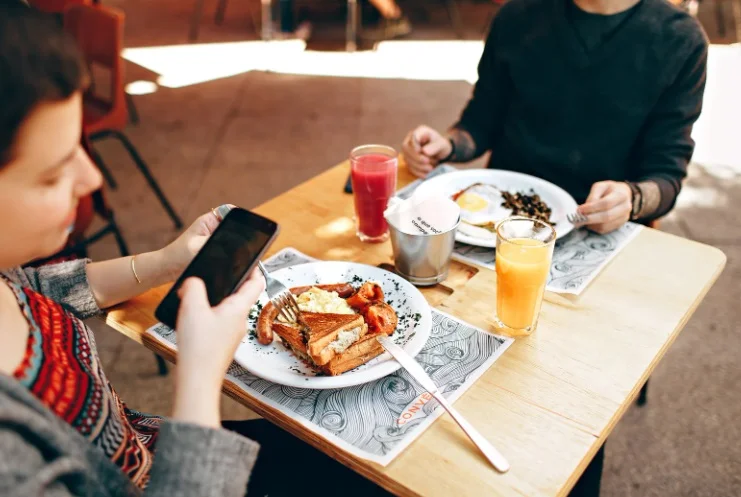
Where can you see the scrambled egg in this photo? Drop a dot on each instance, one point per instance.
(344, 340)
(317, 300)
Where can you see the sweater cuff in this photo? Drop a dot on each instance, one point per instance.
(67, 283)
(657, 198)
(466, 151)
(192, 460)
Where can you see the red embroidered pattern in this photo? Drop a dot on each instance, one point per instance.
(62, 368)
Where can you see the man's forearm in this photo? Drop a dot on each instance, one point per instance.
(654, 197)
(464, 148)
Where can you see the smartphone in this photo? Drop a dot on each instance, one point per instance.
(225, 261)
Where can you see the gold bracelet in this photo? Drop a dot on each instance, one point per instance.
(133, 270)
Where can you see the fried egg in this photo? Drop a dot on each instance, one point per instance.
(481, 205)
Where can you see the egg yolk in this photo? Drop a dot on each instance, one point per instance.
(471, 202)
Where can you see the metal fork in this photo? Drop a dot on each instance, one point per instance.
(577, 218)
(280, 296)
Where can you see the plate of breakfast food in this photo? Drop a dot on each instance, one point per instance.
(344, 307)
(487, 196)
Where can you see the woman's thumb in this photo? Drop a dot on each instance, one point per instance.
(193, 294)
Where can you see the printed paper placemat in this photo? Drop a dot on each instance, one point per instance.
(577, 258)
(377, 420)
(407, 191)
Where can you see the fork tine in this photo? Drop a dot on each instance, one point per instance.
(291, 305)
(294, 305)
(282, 312)
(576, 218)
(285, 301)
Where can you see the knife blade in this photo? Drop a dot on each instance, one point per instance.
(409, 363)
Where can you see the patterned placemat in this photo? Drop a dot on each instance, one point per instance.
(407, 191)
(377, 420)
(577, 258)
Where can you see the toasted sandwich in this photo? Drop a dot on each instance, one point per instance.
(358, 353)
(292, 336)
(328, 335)
(334, 343)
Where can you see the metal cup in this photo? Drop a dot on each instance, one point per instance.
(423, 260)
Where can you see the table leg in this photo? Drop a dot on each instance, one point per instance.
(267, 19)
(720, 18)
(220, 12)
(590, 481)
(736, 7)
(455, 17)
(351, 43)
(195, 20)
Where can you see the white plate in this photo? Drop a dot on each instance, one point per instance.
(277, 364)
(558, 199)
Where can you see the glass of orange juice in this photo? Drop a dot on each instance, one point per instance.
(524, 252)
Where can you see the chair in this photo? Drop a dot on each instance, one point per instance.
(195, 19)
(99, 33)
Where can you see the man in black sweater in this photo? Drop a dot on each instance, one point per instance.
(596, 96)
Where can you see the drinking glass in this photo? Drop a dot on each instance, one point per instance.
(523, 262)
(373, 172)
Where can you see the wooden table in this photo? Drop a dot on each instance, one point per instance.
(551, 400)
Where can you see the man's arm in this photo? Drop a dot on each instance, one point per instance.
(665, 147)
(464, 148)
(480, 120)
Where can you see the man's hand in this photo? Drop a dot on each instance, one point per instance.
(423, 149)
(608, 206)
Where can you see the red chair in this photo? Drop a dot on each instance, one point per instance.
(99, 33)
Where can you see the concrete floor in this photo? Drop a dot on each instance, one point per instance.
(250, 136)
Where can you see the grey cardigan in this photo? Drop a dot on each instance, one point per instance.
(41, 455)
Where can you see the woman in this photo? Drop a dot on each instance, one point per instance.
(53, 388)
(63, 429)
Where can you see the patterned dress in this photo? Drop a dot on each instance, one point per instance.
(62, 368)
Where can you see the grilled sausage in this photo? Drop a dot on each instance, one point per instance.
(265, 323)
(344, 290)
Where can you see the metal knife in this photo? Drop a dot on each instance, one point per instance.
(418, 373)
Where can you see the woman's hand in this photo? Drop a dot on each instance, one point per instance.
(608, 206)
(207, 339)
(178, 254)
(423, 149)
(117, 280)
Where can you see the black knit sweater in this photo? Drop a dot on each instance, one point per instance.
(623, 110)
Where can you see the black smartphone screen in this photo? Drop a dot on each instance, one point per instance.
(229, 254)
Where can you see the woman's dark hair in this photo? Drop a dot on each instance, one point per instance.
(39, 63)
